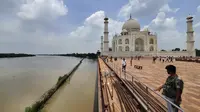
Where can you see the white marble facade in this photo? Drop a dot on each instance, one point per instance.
(132, 41)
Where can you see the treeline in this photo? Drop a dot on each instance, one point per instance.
(197, 52)
(13, 55)
(178, 49)
(81, 55)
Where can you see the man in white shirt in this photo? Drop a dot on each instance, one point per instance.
(123, 65)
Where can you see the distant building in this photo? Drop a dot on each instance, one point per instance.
(132, 41)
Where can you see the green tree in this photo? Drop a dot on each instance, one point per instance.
(197, 52)
(177, 49)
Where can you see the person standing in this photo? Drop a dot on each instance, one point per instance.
(111, 59)
(131, 61)
(154, 59)
(172, 89)
(172, 58)
(123, 65)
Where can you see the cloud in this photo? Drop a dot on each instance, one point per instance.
(141, 8)
(166, 8)
(91, 31)
(197, 25)
(198, 8)
(168, 35)
(9, 6)
(33, 28)
(42, 9)
(86, 38)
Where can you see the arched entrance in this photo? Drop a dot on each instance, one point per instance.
(127, 48)
(151, 48)
(151, 41)
(120, 48)
(139, 44)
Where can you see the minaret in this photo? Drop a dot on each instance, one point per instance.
(101, 43)
(190, 37)
(106, 42)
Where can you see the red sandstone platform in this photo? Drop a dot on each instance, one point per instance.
(155, 75)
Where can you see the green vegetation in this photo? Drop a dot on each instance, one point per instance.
(162, 50)
(78, 55)
(13, 55)
(176, 49)
(82, 55)
(197, 52)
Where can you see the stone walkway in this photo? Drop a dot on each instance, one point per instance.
(155, 74)
(115, 101)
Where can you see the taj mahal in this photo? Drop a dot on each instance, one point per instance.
(134, 42)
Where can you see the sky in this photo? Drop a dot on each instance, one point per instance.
(67, 26)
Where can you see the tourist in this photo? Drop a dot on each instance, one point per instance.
(115, 58)
(171, 59)
(123, 65)
(163, 60)
(111, 59)
(154, 59)
(131, 60)
(138, 57)
(167, 59)
(172, 89)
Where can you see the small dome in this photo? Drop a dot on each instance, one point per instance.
(124, 31)
(131, 24)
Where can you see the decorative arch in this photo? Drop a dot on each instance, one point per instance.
(120, 41)
(127, 48)
(151, 41)
(151, 48)
(139, 44)
(120, 48)
(127, 41)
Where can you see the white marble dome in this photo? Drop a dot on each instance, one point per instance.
(131, 24)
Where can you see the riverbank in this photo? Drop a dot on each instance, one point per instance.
(77, 55)
(13, 55)
(77, 94)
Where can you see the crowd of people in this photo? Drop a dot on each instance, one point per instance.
(188, 59)
(163, 59)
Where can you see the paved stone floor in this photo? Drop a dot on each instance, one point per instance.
(155, 74)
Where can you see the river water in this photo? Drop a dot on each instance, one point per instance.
(24, 80)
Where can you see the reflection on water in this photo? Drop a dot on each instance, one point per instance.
(24, 80)
(78, 94)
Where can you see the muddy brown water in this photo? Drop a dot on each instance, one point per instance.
(24, 80)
